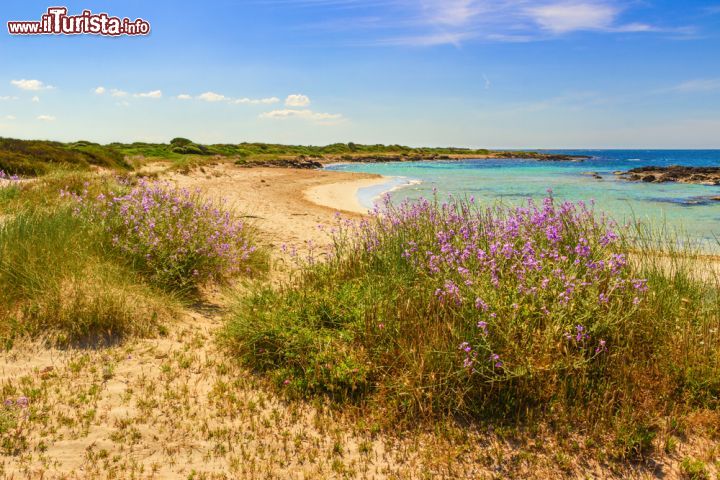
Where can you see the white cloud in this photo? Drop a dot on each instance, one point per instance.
(8, 98)
(35, 99)
(303, 114)
(566, 17)
(212, 97)
(9, 117)
(184, 96)
(152, 94)
(46, 118)
(430, 40)
(297, 100)
(118, 93)
(256, 101)
(31, 85)
(216, 97)
(450, 12)
(697, 85)
(100, 90)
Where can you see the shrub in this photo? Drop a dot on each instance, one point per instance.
(180, 142)
(191, 149)
(432, 309)
(176, 237)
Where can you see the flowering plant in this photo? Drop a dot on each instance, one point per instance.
(176, 236)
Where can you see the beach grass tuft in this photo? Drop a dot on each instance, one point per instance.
(57, 279)
(97, 259)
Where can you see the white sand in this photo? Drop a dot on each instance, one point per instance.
(342, 196)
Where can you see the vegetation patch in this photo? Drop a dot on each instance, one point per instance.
(178, 239)
(57, 278)
(38, 157)
(431, 310)
(84, 258)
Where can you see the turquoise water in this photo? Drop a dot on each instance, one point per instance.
(686, 208)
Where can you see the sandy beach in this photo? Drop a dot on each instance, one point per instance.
(342, 196)
(286, 205)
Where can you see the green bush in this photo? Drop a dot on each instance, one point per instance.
(430, 310)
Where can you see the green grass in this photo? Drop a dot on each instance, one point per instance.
(694, 469)
(56, 278)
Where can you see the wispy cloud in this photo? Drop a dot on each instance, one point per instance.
(32, 85)
(35, 99)
(255, 101)
(217, 97)
(696, 85)
(571, 16)
(184, 96)
(114, 92)
(426, 23)
(45, 118)
(304, 114)
(152, 94)
(7, 97)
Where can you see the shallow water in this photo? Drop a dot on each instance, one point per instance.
(684, 208)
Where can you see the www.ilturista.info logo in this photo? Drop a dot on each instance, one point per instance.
(57, 22)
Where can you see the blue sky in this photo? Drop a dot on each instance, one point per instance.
(475, 73)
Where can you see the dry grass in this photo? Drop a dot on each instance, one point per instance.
(176, 407)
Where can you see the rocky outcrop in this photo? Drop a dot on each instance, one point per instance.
(541, 157)
(301, 163)
(673, 173)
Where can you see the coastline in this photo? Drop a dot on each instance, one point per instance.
(344, 195)
(276, 200)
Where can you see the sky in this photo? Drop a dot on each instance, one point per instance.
(467, 73)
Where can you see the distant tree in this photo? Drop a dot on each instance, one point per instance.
(180, 142)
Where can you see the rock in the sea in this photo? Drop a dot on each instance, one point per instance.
(674, 173)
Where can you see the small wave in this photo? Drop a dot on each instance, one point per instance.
(369, 196)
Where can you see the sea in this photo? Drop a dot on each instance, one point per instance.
(683, 210)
